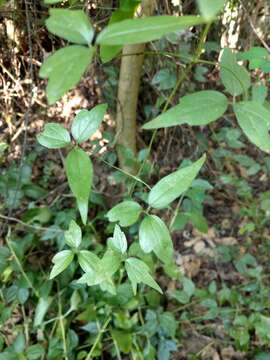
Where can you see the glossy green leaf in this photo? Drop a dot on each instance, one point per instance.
(127, 213)
(138, 272)
(61, 261)
(125, 11)
(73, 236)
(119, 240)
(89, 261)
(210, 8)
(254, 120)
(86, 123)
(54, 136)
(154, 236)
(172, 186)
(64, 69)
(72, 25)
(234, 77)
(199, 108)
(142, 30)
(79, 171)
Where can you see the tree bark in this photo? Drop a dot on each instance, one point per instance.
(128, 90)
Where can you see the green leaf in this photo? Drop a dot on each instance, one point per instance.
(79, 171)
(138, 272)
(254, 120)
(35, 352)
(125, 11)
(119, 240)
(87, 122)
(172, 186)
(99, 271)
(142, 30)
(210, 8)
(52, 1)
(188, 286)
(123, 340)
(73, 236)
(91, 278)
(154, 236)
(72, 25)
(64, 69)
(234, 77)
(168, 323)
(127, 213)
(41, 310)
(259, 93)
(110, 263)
(199, 108)
(257, 56)
(54, 136)
(89, 261)
(61, 261)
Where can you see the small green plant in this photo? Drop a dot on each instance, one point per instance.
(154, 235)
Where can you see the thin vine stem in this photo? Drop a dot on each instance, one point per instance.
(20, 266)
(101, 331)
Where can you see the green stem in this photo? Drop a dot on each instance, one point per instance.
(9, 244)
(106, 323)
(62, 326)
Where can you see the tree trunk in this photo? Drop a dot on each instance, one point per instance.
(128, 90)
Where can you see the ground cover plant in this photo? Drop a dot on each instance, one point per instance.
(134, 180)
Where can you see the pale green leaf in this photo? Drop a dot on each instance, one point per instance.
(73, 236)
(234, 77)
(199, 108)
(72, 25)
(61, 261)
(126, 212)
(86, 123)
(41, 309)
(154, 236)
(142, 30)
(89, 261)
(54, 136)
(210, 8)
(172, 186)
(259, 93)
(110, 263)
(254, 120)
(91, 278)
(79, 171)
(64, 69)
(138, 272)
(119, 240)
(49, 2)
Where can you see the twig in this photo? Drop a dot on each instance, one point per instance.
(13, 219)
(267, 47)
